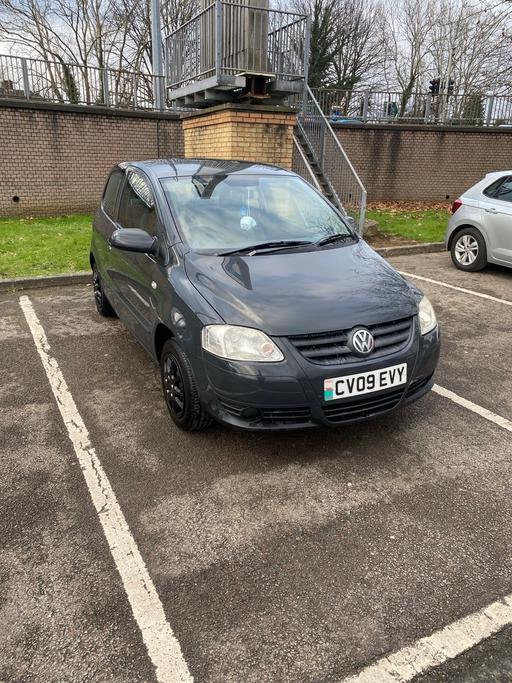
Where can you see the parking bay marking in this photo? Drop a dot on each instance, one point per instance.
(162, 646)
(458, 289)
(469, 405)
(454, 639)
(442, 645)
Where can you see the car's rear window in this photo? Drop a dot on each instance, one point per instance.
(221, 212)
(111, 190)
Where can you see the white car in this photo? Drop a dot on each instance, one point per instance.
(480, 229)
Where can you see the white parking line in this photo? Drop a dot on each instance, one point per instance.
(458, 289)
(163, 648)
(442, 645)
(452, 640)
(483, 412)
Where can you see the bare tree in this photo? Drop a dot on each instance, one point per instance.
(409, 26)
(360, 51)
(322, 39)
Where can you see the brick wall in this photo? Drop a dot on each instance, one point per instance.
(424, 163)
(56, 159)
(241, 132)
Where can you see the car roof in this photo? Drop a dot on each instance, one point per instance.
(494, 175)
(165, 168)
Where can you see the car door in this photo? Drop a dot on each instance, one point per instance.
(498, 218)
(137, 274)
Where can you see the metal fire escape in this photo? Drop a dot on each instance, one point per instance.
(243, 51)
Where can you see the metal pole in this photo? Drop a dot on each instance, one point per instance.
(307, 39)
(446, 85)
(156, 55)
(218, 38)
(26, 83)
(490, 107)
(428, 103)
(362, 212)
(366, 97)
(134, 89)
(105, 87)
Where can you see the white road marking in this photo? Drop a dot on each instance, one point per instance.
(163, 648)
(458, 289)
(483, 412)
(442, 645)
(456, 638)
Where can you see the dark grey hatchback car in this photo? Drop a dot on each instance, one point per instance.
(262, 306)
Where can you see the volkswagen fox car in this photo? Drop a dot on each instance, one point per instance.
(480, 229)
(262, 306)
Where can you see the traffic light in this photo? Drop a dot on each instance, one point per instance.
(434, 86)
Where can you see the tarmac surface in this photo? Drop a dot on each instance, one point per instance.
(278, 558)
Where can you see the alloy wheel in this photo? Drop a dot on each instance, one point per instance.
(96, 284)
(173, 386)
(466, 250)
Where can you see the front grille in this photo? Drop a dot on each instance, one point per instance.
(330, 348)
(271, 416)
(363, 407)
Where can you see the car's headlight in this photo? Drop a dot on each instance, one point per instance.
(240, 343)
(428, 319)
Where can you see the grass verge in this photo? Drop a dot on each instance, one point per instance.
(49, 246)
(412, 221)
(44, 246)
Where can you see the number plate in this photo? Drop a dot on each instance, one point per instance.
(365, 382)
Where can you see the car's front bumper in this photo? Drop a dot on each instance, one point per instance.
(289, 395)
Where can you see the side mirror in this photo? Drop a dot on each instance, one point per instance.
(134, 239)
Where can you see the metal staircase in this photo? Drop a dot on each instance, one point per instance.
(320, 158)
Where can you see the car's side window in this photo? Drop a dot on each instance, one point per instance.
(504, 191)
(111, 191)
(137, 205)
(500, 189)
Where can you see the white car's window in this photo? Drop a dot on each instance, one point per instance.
(505, 190)
(500, 189)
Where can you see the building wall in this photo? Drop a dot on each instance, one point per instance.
(55, 159)
(424, 163)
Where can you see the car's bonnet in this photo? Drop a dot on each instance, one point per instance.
(303, 292)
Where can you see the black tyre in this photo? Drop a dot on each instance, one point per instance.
(180, 390)
(468, 250)
(102, 303)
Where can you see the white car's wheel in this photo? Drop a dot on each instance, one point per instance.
(468, 250)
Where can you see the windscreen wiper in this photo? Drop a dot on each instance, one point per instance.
(334, 238)
(264, 246)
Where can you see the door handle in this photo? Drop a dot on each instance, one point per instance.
(492, 210)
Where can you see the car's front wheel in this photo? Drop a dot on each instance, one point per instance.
(180, 389)
(103, 305)
(468, 250)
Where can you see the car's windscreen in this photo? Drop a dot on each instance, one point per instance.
(229, 212)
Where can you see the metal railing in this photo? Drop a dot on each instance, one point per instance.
(331, 159)
(56, 81)
(461, 109)
(230, 38)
